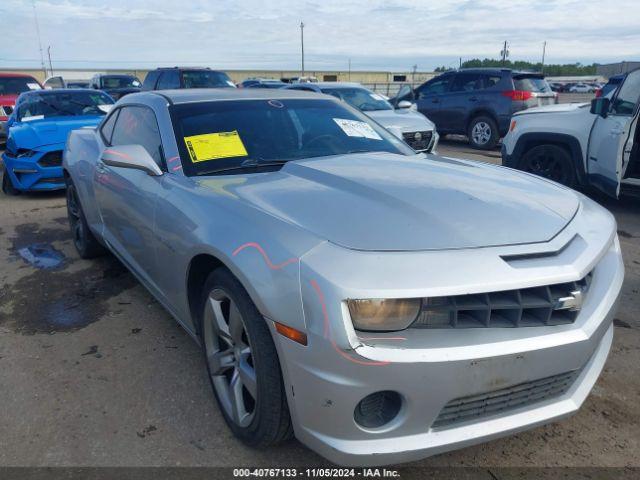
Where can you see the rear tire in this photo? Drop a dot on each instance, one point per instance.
(7, 186)
(242, 363)
(85, 242)
(550, 161)
(483, 133)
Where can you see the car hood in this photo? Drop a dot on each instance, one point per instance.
(403, 120)
(558, 108)
(388, 202)
(47, 132)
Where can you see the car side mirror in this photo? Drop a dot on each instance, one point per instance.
(131, 156)
(404, 104)
(600, 106)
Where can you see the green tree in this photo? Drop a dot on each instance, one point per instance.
(554, 70)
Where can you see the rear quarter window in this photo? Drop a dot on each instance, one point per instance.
(532, 84)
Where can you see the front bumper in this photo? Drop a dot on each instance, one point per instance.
(27, 174)
(429, 368)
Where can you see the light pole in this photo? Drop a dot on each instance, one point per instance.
(49, 55)
(35, 16)
(302, 45)
(544, 50)
(504, 52)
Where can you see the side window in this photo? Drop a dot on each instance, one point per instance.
(150, 80)
(435, 86)
(107, 127)
(466, 82)
(626, 99)
(168, 80)
(138, 125)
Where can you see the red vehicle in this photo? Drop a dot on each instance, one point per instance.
(11, 86)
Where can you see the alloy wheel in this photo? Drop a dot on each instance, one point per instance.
(545, 164)
(229, 358)
(481, 133)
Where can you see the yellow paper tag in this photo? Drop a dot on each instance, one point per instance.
(213, 146)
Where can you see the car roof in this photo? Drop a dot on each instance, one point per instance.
(54, 91)
(197, 95)
(16, 75)
(337, 85)
(187, 68)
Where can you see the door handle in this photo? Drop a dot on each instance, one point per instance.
(616, 131)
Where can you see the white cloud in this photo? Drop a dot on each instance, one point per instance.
(384, 34)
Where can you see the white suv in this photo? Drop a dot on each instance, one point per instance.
(578, 145)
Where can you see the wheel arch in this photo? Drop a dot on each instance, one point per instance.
(198, 270)
(480, 112)
(571, 144)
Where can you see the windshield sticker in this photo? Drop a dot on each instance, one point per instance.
(375, 96)
(105, 108)
(32, 118)
(214, 146)
(354, 128)
(230, 83)
(34, 86)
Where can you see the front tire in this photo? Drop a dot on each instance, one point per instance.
(85, 242)
(483, 133)
(242, 363)
(7, 186)
(550, 161)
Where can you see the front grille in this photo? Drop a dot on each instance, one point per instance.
(419, 141)
(479, 407)
(51, 159)
(526, 307)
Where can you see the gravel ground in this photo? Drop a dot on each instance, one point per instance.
(93, 372)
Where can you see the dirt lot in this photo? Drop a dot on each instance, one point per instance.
(93, 372)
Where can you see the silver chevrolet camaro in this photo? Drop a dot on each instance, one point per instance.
(379, 304)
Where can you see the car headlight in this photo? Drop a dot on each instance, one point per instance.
(381, 315)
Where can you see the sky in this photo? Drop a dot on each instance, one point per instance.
(391, 35)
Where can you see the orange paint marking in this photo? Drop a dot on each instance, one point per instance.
(267, 260)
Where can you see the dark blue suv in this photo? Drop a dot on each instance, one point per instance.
(478, 102)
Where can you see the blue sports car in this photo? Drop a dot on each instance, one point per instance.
(38, 130)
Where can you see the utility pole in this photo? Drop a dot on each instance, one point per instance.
(460, 62)
(504, 53)
(302, 45)
(49, 55)
(413, 73)
(544, 51)
(35, 16)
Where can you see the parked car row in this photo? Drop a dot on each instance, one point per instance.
(28, 172)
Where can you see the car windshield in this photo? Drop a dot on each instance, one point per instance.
(17, 85)
(206, 79)
(119, 81)
(39, 106)
(224, 135)
(532, 84)
(361, 98)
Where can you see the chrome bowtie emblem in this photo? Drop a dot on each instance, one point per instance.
(573, 302)
(417, 137)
